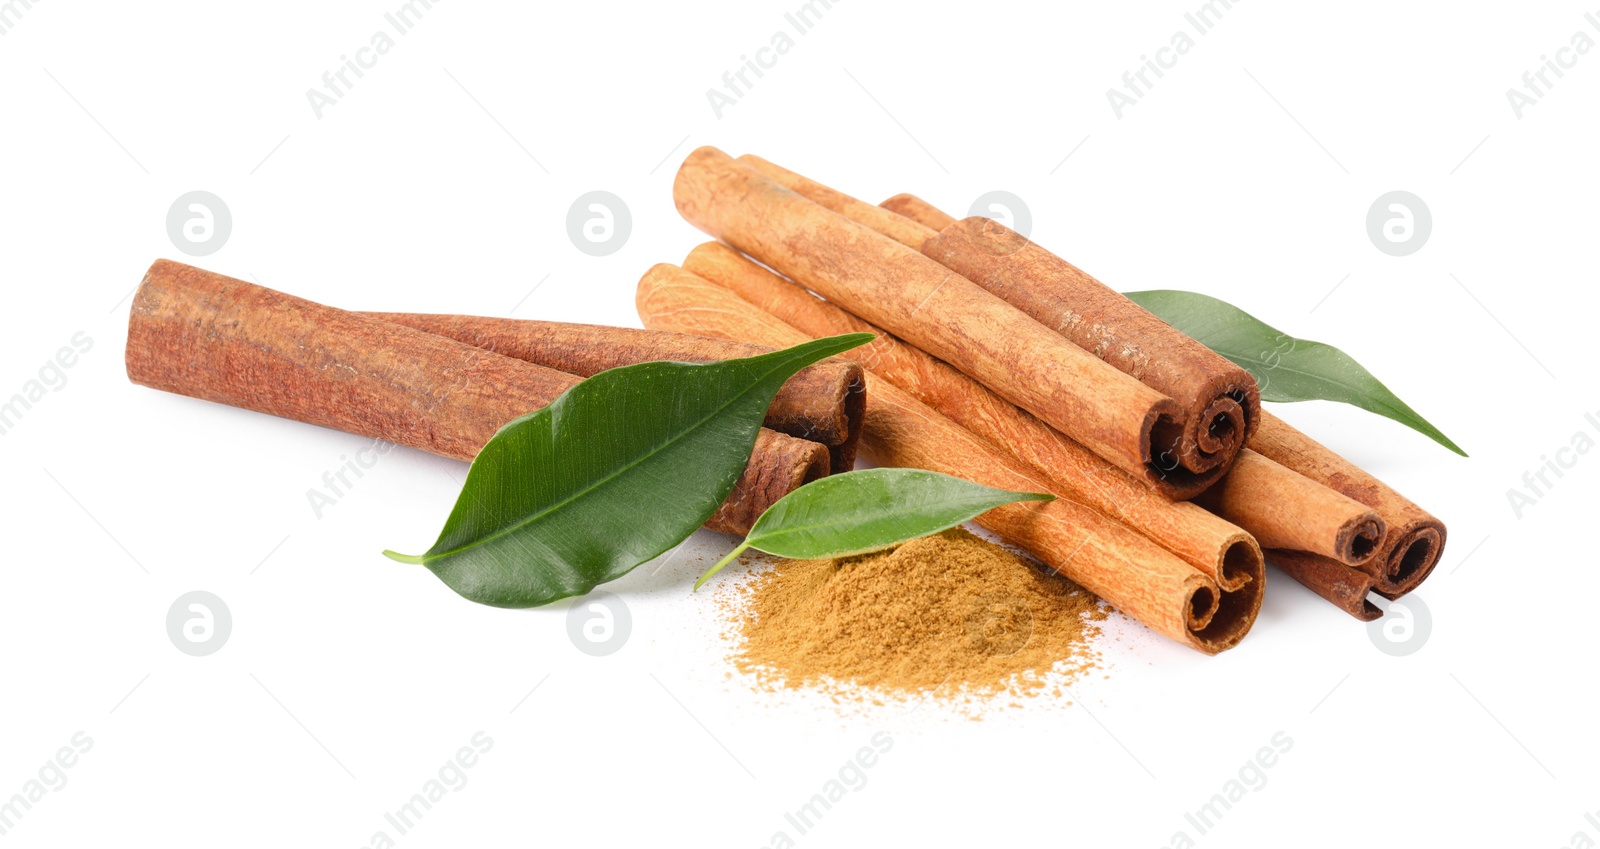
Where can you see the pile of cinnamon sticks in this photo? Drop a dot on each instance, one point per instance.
(1003, 363)
(994, 360)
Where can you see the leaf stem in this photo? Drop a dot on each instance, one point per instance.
(737, 550)
(413, 559)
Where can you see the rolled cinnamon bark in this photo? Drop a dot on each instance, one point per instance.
(895, 226)
(822, 403)
(1214, 546)
(918, 210)
(1284, 509)
(1135, 575)
(1220, 400)
(1345, 586)
(939, 311)
(201, 334)
(1413, 539)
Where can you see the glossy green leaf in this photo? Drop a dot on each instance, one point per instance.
(868, 510)
(617, 470)
(1286, 368)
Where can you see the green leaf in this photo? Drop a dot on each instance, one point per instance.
(863, 511)
(617, 470)
(1286, 368)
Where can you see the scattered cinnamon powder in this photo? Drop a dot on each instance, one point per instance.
(951, 614)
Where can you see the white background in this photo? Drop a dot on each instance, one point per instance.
(441, 182)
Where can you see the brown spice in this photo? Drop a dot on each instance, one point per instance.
(951, 613)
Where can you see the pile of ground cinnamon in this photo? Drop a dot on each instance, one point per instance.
(951, 614)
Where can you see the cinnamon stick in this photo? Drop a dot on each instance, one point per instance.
(1413, 539)
(1220, 400)
(1135, 575)
(1345, 586)
(897, 227)
(941, 312)
(201, 334)
(1209, 543)
(1284, 509)
(822, 403)
(918, 210)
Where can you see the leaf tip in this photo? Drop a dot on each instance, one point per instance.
(847, 341)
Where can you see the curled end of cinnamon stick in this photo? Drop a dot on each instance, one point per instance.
(1410, 560)
(1414, 540)
(1220, 426)
(843, 385)
(1164, 469)
(1239, 562)
(1241, 579)
(779, 465)
(1232, 613)
(1219, 416)
(1223, 425)
(1359, 540)
(1202, 605)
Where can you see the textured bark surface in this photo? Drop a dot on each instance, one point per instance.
(1132, 573)
(1220, 549)
(918, 210)
(201, 334)
(1413, 539)
(1220, 400)
(926, 304)
(897, 227)
(1345, 586)
(1285, 509)
(822, 403)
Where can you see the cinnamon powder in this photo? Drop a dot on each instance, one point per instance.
(951, 614)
